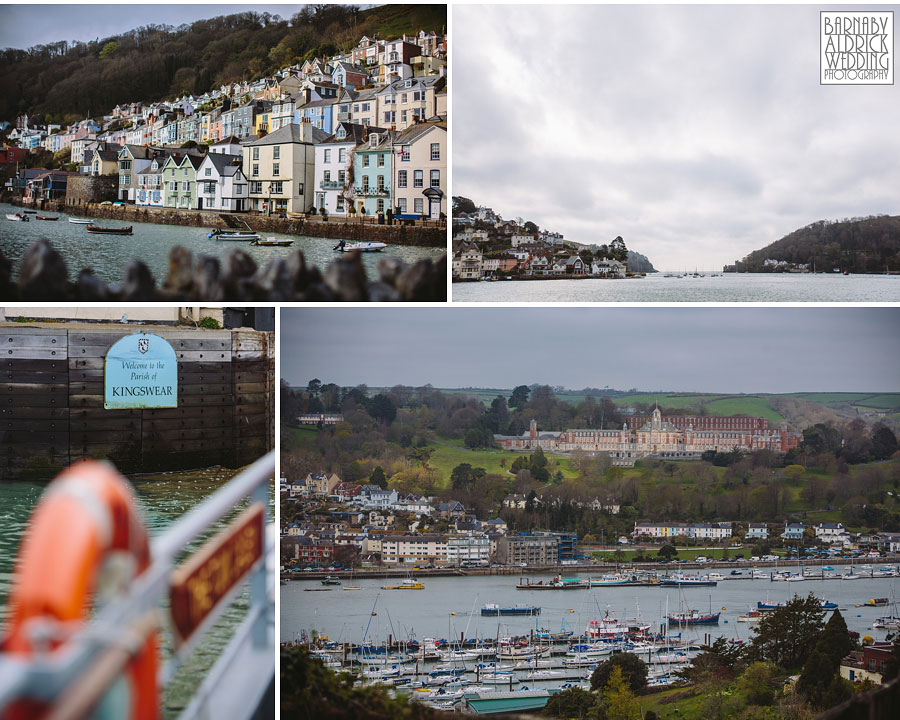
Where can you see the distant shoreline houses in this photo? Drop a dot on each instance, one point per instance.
(360, 133)
(526, 253)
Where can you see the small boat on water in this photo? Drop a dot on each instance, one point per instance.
(44, 217)
(492, 609)
(330, 580)
(751, 616)
(218, 234)
(18, 217)
(361, 247)
(272, 242)
(109, 231)
(80, 221)
(30, 212)
(409, 584)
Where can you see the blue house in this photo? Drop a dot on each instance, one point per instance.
(372, 168)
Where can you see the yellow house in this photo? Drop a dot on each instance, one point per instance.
(262, 124)
(280, 168)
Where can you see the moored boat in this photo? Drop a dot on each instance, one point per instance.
(408, 584)
(80, 221)
(694, 618)
(272, 242)
(218, 234)
(17, 217)
(361, 247)
(493, 609)
(109, 231)
(44, 217)
(330, 580)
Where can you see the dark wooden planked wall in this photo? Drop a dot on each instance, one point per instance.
(51, 402)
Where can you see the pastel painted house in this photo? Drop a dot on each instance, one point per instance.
(180, 180)
(372, 162)
(221, 184)
(421, 170)
(280, 169)
(333, 189)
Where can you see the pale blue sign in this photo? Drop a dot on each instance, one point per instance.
(141, 372)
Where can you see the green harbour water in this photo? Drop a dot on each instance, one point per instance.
(163, 498)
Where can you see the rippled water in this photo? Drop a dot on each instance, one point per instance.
(163, 498)
(109, 255)
(730, 287)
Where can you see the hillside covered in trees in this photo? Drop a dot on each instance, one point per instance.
(858, 245)
(67, 81)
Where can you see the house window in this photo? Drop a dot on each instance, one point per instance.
(365, 161)
(255, 170)
(401, 179)
(276, 169)
(210, 188)
(256, 188)
(380, 205)
(300, 189)
(238, 189)
(435, 178)
(404, 153)
(381, 182)
(417, 205)
(418, 178)
(342, 155)
(173, 187)
(185, 187)
(340, 203)
(365, 183)
(381, 160)
(277, 187)
(208, 172)
(328, 156)
(435, 151)
(327, 176)
(276, 152)
(342, 176)
(256, 153)
(401, 202)
(403, 114)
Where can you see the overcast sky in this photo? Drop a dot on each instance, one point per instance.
(697, 133)
(23, 26)
(728, 350)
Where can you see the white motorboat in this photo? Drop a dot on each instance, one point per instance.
(17, 217)
(80, 221)
(218, 234)
(361, 247)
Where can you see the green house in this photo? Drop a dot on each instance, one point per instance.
(179, 181)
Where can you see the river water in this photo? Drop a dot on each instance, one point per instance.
(109, 255)
(344, 616)
(729, 287)
(163, 498)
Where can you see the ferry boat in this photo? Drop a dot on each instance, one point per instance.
(556, 583)
(694, 618)
(609, 580)
(682, 580)
(492, 609)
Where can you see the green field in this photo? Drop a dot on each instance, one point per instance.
(445, 458)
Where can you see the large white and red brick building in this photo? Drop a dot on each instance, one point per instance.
(658, 438)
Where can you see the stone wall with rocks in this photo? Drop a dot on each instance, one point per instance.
(84, 189)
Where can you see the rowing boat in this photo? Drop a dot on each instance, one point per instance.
(80, 221)
(109, 231)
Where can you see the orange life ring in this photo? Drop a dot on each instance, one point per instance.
(85, 535)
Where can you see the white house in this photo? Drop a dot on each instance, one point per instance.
(831, 533)
(757, 531)
(221, 184)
